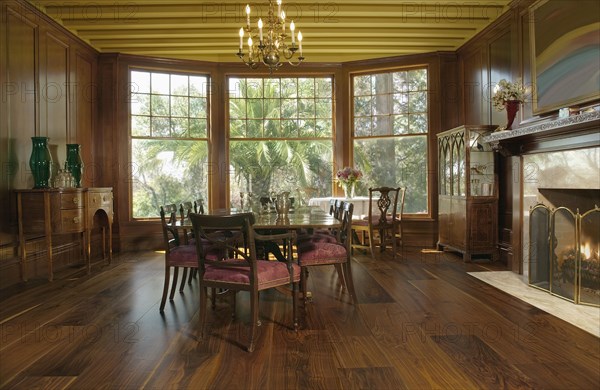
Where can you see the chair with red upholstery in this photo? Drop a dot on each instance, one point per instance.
(177, 254)
(239, 270)
(383, 219)
(318, 253)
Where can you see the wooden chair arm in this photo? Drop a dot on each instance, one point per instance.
(273, 237)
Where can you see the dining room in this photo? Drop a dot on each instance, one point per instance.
(299, 195)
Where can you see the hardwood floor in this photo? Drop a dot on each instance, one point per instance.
(421, 322)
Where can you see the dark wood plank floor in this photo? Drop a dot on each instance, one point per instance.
(421, 322)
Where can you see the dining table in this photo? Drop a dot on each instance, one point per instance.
(305, 217)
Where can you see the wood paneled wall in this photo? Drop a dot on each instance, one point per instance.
(48, 80)
(501, 51)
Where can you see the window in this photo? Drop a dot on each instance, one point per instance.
(169, 139)
(280, 136)
(390, 126)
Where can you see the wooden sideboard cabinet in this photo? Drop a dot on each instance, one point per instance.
(468, 193)
(61, 211)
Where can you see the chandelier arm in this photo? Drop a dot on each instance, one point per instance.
(300, 59)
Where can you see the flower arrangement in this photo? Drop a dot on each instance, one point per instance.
(348, 175)
(347, 179)
(506, 91)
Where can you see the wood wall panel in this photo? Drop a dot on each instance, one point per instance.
(500, 49)
(54, 96)
(84, 100)
(37, 70)
(21, 95)
(473, 85)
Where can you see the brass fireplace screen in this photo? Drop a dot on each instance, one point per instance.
(563, 253)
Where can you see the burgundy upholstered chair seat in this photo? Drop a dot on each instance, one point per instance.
(314, 253)
(183, 256)
(270, 273)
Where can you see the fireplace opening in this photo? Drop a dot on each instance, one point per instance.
(564, 256)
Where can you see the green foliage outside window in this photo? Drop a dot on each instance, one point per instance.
(169, 147)
(390, 129)
(280, 132)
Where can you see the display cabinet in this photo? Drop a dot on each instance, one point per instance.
(468, 194)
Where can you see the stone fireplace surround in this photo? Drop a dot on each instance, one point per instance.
(555, 161)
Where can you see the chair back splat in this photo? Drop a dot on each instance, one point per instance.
(223, 265)
(384, 220)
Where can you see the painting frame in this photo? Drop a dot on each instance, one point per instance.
(565, 54)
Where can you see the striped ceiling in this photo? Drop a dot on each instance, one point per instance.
(334, 31)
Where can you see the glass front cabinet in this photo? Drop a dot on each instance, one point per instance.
(468, 193)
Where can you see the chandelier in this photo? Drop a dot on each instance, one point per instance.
(269, 46)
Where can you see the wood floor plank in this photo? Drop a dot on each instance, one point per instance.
(372, 378)
(483, 364)
(421, 322)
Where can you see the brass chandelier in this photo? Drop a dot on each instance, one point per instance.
(269, 46)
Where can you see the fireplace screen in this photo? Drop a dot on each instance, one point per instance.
(563, 255)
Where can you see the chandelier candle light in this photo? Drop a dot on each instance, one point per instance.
(269, 46)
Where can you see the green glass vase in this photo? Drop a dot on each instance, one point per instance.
(40, 162)
(74, 164)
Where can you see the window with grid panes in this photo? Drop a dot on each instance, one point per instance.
(390, 131)
(169, 139)
(280, 136)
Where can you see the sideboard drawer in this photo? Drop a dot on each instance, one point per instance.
(71, 221)
(71, 200)
(101, 199)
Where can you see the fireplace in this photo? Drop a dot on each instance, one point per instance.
(561, 235)
(555, 164)
(564, 248)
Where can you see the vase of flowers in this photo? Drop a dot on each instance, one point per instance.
(347, 179)
(508, 96)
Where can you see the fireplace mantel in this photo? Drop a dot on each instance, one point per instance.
(574, 132)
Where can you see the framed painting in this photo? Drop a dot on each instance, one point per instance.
(565, 50)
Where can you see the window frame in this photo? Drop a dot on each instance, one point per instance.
(227, 119)
(426, 135)
(130, 137)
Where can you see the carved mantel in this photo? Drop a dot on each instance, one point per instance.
(578, 131)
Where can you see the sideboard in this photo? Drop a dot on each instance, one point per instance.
(62, 211)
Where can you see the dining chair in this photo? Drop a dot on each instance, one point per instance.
(185, 209)
(199, 206)
(177, 254)
(382, 218)
(337, 253)
(242, 272)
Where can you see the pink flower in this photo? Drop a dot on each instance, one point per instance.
(348, 175)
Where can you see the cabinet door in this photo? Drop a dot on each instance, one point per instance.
(445, 166)
(458, 164)
(481, 165)
(482, 226)
(458, 223)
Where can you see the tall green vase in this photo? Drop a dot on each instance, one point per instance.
(40, 162)
(74, 164)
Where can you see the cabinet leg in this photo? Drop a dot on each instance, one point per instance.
(467, 257)
(109, 241)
